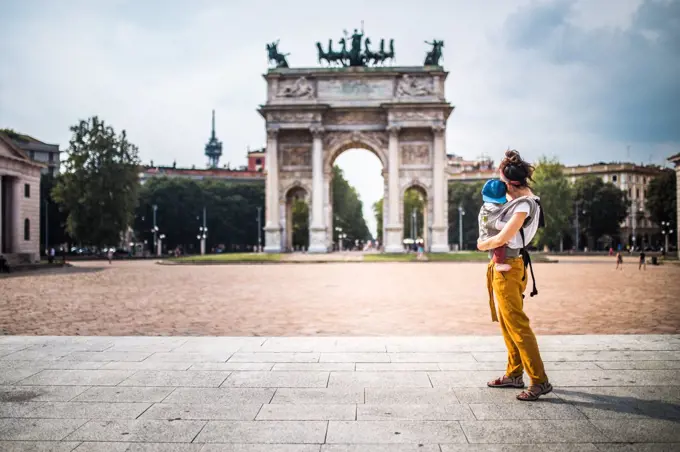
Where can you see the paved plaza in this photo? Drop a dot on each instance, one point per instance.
(577, 296)
(350, 394)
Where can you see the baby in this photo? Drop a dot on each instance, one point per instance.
(493, 195)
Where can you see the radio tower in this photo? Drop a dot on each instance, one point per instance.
(213, 150)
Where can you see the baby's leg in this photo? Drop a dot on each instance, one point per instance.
(499, 259)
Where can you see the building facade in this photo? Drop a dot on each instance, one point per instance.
(19, 203)
(36, 150)
(676, 161)
(239, 175)
(256, 160)
(637, 229)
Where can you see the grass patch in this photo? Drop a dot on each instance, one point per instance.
(465, 256)
(390, 257)
(230, 257)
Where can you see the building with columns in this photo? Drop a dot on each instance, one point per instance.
(637, 229)
(313, 115)
(19, 203)
(676, 161)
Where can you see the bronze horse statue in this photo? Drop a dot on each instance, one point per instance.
(278, 58)
(331, 56)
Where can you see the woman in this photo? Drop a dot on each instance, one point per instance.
(509, 286)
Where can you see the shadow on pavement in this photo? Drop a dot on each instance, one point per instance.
(68, 270)
(655, 409)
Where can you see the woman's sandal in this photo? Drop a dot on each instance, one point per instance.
(534, 392)
(507, 382)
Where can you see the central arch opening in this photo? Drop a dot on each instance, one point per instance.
(357, 188)
(415, 218)
(297, 220)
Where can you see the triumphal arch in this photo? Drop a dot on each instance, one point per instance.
(312, 115)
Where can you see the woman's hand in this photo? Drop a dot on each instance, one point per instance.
(511, 228)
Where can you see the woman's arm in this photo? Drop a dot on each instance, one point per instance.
(508, 232)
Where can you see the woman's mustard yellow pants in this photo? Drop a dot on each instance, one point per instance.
(519, 339)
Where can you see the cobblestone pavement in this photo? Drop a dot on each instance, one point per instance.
(333, 394)
(143, 298)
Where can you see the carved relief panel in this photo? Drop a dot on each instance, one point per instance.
(293, 117)
(295, 137)
(416, 115)
(299, 88)
(342, 118)
(415, 86)
(415, 154)
(296, 155)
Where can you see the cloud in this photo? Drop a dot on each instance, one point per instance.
(581, 80)
(623, 79)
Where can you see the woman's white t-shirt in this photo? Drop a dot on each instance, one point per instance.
(529, 230)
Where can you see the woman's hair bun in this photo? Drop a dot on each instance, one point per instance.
(513, 157)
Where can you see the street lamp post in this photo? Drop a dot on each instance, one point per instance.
(666, 231)
(47, 226)
(155, 228)
(259, 229)
(159, 245)
(156, 242)
(576, 225)
(341, 236)
(461, 212)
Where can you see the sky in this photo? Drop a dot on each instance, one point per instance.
(580, 80)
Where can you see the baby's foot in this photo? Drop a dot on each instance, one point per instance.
(503, 267)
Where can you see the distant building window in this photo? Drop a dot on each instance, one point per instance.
(637, 192)
(258, 161)
(27, 229)
(614, 178)
(630, 193)
(27, 190)
(644, 180)
(31, 154)
(623, 178)
(51, 157)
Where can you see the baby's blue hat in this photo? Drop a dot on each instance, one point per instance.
(494, 191)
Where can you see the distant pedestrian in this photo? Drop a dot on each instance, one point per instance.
(643, 261)
(63, 255)
(109, 255)
(619, 261)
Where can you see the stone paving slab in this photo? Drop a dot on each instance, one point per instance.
(384, 394)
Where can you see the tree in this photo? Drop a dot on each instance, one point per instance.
(556, 195)
(414, 201)
(347, 209)
(602, 207)
(99, 187)
(231, 212)
(300, 223)
(378, 212)
(56, 218)
(661, 198)
(469, 197)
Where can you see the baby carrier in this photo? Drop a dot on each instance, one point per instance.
(489, 216)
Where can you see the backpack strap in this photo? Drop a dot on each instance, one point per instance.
(527, 261)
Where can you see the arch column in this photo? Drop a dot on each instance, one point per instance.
(439, 239)
(317, 230)
(394, 228)
(272, 230)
